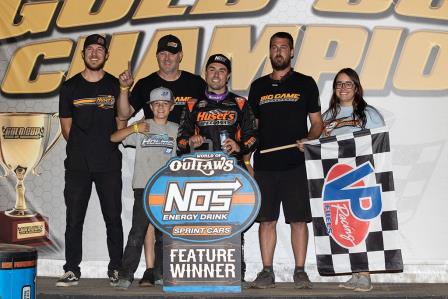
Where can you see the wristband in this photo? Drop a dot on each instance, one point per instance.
(247, 162)
(124, 88)
(135, 128)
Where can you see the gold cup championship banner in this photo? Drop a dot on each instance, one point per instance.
(353, 204)
(24, 142)
(202, 203)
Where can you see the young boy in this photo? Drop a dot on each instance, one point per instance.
(155, 142)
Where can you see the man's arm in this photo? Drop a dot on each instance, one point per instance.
(65, 109)
(249, 140)
(186, 136)
(316, 125)
(124, 108)
(120, 123)
(250, 169)
(247, 157)
(66, 124)
(315, 130)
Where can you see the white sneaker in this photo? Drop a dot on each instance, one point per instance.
(67, 280)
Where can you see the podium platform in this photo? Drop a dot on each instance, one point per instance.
(100, 289)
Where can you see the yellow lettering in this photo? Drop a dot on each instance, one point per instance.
(35, 17)
(346, 6)
(423, 9)
(223, 6)
(17, 77)
(235, 42)
(313, 60)
(158, 8)
(121, 50)
(380, 54)
(414, 58)
(78, 12)
(267, 97)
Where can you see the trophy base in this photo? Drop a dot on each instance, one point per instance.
(30, 230)
(20, 213)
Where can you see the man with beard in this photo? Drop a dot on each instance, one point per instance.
(282, 102)
(88, 118)
(184, 86)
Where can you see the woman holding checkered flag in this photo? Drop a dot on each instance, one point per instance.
(348, 112)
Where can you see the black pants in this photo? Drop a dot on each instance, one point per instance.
(158, 253)
(136, 238)
(78, 187)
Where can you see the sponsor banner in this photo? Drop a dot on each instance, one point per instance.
(202, 202)
(354, 210)
(204, 267)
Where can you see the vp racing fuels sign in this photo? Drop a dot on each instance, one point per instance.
(202, 197)
(350, 203)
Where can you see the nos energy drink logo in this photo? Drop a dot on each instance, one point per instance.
(351, 199)
(203, 197)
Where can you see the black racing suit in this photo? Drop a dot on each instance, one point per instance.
(208, 118)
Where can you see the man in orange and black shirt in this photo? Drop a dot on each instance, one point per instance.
(217, 111)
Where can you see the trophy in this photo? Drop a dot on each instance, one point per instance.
(24, 142)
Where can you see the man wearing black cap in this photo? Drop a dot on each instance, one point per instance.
(88, 118)
(184, 86)
(217, 111)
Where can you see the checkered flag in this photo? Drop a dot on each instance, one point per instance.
(353, 205)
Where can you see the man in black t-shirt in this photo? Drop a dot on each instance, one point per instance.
(184, 85)
(282, 102)
(88, 118)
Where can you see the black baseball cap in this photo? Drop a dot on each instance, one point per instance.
(95, 39)
(169, 43)
(220, 58)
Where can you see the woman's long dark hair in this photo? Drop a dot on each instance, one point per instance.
(359, 104)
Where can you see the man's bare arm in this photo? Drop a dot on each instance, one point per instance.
(66, 124)
(316, 125)
(124, 108)
(315, 129)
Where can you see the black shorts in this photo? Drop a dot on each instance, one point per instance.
(289, 187)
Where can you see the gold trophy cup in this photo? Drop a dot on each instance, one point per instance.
(24, 142)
